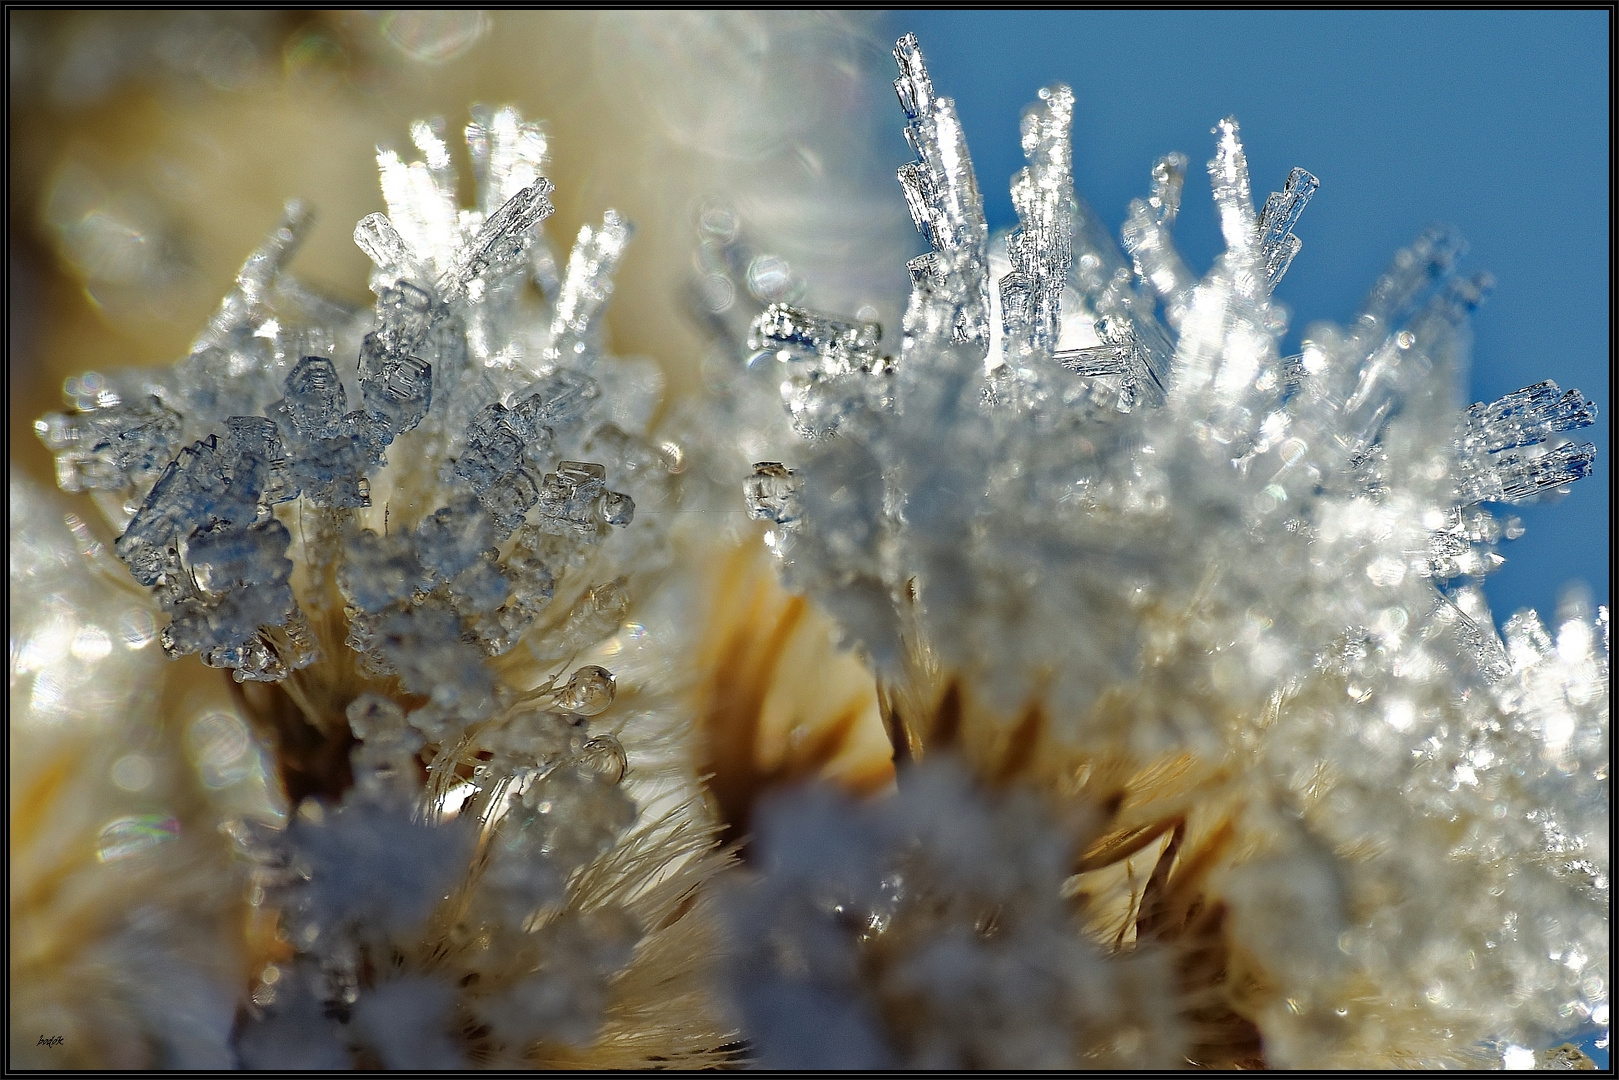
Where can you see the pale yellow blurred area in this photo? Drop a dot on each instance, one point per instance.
(151, 151)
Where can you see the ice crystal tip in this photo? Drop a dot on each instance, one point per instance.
(913, 86)
(1531, 415)
(1529, 421)
(586, 285)
(1277, 244)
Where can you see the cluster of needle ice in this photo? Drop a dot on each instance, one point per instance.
(199, 520)
(374, 510)
(1091, 481)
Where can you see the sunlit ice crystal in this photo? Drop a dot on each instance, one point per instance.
(416, 523)
(1095, 501)
(311, 449)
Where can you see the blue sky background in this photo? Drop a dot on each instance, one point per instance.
(1496, 122)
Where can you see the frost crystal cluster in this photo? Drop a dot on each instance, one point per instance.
(1220, 607)
(404, 531)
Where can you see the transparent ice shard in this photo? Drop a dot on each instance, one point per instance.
(833, 346)
(1148, 239)
(1531, 415)
(406, 313)
(501, 243)
(1233, 200)
(508, 154)
(616, 509)
(1481, 641)
(1466, 545)
(1529, 421)
(1099, 360)
(1104, 281)
(1516, 477)
(568, 498)
(509, 499)
(950, 295)
(227, 582)
(1040, 249)
(376, 236)
(559, 400)
(586, 286)
(211, 483)
(399, 394)
(494, 447)
(1277, 244)
(315, 400)
(1121, 353)
(836, 373)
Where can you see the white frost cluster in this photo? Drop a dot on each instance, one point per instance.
(414, 523)
(929, 931)
(1091, 483)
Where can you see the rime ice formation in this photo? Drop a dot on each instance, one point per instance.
(411, 523)
(1090, 490)
(203, 529)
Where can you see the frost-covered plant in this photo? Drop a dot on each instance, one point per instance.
(408, 534)
(1098, 537)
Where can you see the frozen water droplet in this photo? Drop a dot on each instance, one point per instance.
(603, 757)
(617, 508)
(588, 692)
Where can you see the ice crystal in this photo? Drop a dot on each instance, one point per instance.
(1091, 504)
(373, 513)
(203, 528)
